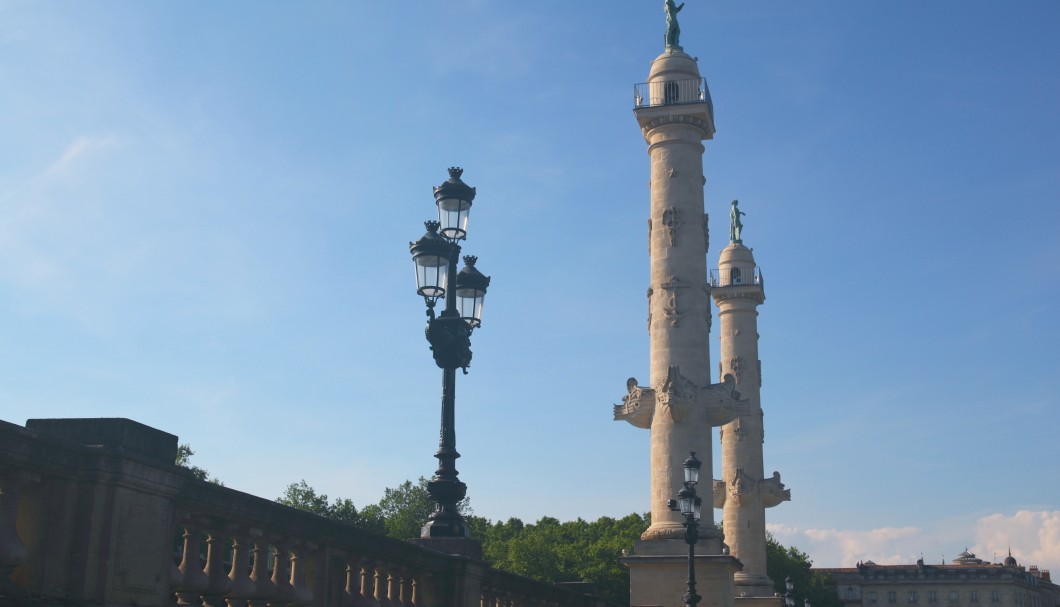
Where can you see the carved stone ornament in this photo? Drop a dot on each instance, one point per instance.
(738, 429)
(759, 363)
(772, 491)
(672, 221)
(650, 293)
(736, 366)
(672, 311)
(723, 402)
(638, 405)
(719, 493)
(741, 488)
(677, 394)
(706, 228)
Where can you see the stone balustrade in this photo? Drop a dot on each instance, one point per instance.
(93, 512)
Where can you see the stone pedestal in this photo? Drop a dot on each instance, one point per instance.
(658, 573)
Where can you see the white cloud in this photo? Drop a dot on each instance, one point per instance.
(1033, 535)
(844, 547)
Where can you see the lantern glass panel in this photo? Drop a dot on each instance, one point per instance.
(691, 475)
(453, 214)
(469, 303)
(432, 275)
(685, 502)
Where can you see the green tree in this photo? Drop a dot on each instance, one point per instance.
(300, 495)
(573, 551)
(401, 513)
(183, 460)
(788, 561)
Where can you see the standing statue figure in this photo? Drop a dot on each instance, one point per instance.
(735, 225)
(673, 30)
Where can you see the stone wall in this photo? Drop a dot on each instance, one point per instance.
(94, 512)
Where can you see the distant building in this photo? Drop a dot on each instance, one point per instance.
(966, 582)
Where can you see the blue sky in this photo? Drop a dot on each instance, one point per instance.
(205, 211)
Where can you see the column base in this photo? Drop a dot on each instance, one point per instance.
(759, 601)
(658, 574)
(754, 587)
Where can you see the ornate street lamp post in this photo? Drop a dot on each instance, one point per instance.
(449, 333)
(789, 600)
(690, 505)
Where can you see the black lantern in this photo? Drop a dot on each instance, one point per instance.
(454, 199)
(435, 256)
(789, 586)
(431, 255)
(690, 505)
(471, 288)
(692, 465)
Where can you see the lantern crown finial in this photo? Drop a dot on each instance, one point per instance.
(455, 173)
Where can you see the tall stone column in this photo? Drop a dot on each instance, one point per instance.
(744, 493)
(679, 405)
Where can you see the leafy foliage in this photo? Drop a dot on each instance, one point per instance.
(300, 495)
(573, 551)
(400, 514)
(784, 561)
(183, 460)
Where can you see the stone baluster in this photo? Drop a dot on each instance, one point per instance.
(281, 575)
(217, 550)
(367, 594)
(380, 585)
(264, 588)
(12, 551)
(489, 599)
(420, 583)
(355, 583)
(405, 592)
(303, 594)
(242, 586)
(393, 588)
(192, 580)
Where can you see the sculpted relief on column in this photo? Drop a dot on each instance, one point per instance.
(678, 396)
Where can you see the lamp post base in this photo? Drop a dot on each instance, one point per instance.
(658, 574)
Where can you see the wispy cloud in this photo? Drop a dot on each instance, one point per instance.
(81, 148)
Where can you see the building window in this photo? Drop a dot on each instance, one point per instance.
(912, 596)
(933, 596)
(850, 592)
(872, 597)
(995, 596)
(973, 596)
(892, 596)
(955, 596)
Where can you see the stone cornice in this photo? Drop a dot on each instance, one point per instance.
(647, 126)
(728, 293)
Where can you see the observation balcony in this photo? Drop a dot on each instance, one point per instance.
(734, 277)
(672, 92)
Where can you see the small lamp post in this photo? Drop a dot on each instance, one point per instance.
(690, 505)
(435, 257)
(789, 586)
